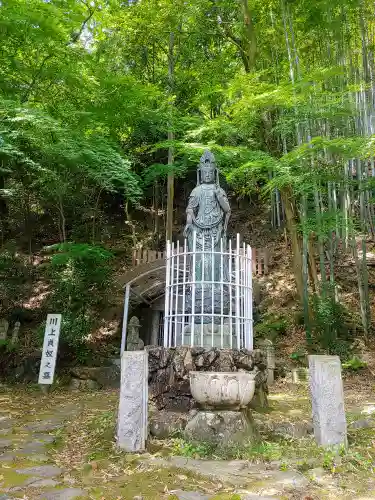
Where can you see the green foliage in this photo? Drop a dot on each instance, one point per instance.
(7, 345)
(15, 276)
(354, 364)
(81, 278)
(299, 357)
(271, 327)
(192, 450)
(330, 328)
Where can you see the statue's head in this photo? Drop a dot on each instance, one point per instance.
(207, 171)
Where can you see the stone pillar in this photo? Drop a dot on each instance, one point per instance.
(16, 331)
(155, 318)
(268, 348)
(300, 375)
(327, 397)
(4, 325)
(132, 422)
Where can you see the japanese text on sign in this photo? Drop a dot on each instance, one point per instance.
(50, 345)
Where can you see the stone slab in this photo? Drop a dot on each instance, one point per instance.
(64, 494)
(189, 495)
(258, 497)
(5, 425)
(239, 473)
(327, 397)
(132, 421)
(31, 447)
(5, 443)
(41, 471)
(43, 483)
(44, 426)
(45, 438)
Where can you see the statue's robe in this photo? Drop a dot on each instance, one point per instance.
(208, 224)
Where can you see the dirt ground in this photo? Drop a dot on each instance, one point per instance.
(61, 446)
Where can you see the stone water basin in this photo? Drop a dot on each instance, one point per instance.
(222, 390)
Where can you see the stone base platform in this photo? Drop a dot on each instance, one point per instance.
(222, 428)
(169, 368)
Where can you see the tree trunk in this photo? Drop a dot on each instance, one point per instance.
(291, 223)
(249, 43)
(170, 185)
(3, 212)
(62, 220)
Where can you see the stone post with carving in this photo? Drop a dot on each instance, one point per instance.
(267, 347)
(327, 396)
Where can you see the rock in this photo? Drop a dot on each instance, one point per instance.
(195, 351)
(244, 361)
(41, 471)
(45, 438)
(221, 428)
(189, 495)
(223, 362)
(178, 361)
(63, 494)
(27, 367)
(166, 424)
(5, 443)
(5, 423)
(296, 430)
(31, 447)
(280, 369)
(4, 325)
(8, 457)
(362, 424)
(83, 385)
(321, 477)
(188, 361)
(206, 359)
(252, 496)
(105, 376)
(38, 458)
(44, 426)
(42, 483)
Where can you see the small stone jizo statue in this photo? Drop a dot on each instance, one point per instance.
(133, 342)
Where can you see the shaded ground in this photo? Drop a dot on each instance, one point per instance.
(60, 446)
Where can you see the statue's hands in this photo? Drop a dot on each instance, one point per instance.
(187, 230)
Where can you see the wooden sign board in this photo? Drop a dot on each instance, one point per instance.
(50, 347)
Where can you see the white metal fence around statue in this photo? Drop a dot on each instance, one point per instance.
(208, 299)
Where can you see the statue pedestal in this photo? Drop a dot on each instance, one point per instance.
(213, 336)
(223, 419)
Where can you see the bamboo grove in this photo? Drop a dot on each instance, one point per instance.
(122, 97)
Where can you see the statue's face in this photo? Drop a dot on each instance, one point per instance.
(208, 174)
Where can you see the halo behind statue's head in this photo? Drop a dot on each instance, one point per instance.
(207, 161)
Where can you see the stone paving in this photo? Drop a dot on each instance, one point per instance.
(26, 470)
(30, 430)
